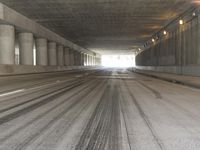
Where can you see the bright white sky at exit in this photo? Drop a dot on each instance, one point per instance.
(118, 60)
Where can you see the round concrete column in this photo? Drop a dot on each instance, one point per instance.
(75, 58)
(82, 59)
(52, 53)
(71, 57)
(26, 48)
(60, 52)
(7, 44)
(85, 59)
(91, 60)
(94, 60)
(41, 52)
(66, 56)
(78, 58)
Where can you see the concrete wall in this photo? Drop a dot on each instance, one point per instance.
(26, 69)
(177, 52)
(185, 70)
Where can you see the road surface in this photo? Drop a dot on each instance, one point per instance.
(97, 110)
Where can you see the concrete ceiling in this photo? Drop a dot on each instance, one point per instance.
(102, 25)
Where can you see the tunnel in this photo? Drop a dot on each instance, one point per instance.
(99, 74)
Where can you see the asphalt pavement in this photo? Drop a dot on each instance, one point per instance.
(105, 109)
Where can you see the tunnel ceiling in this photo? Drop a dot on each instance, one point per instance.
(102, 25)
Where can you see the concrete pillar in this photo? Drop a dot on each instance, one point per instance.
(90, 61)
(94, 60)
(26, 48)
(79, 58)
(67, 56)
(7, 44)
(92, 57)
(60, 52)
(97, 61)
(82, 59)
(85, 59)
(71, 57)
(75, 58)
(41, 52)
(52, 53)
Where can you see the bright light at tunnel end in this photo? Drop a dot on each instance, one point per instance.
(118, 61)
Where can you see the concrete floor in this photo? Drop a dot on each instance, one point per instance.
(105, 110)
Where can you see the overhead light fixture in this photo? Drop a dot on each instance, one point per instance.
(181, 22)
(139, 49)
(165, 32)
(153, 40)
(157, 38)
(194, 14)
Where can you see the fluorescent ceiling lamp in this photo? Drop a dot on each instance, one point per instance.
(181, 22)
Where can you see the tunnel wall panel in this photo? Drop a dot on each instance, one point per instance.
(178, 52)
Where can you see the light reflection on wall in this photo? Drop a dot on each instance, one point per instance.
(197, 2)
(118, 60)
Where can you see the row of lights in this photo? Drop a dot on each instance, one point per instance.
(181, 22)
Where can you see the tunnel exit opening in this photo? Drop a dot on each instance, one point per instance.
(114, 61)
